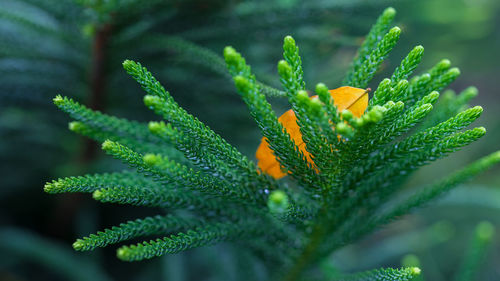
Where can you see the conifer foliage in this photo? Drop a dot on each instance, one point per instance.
(213, 193)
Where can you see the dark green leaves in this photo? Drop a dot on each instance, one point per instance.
(355, 163)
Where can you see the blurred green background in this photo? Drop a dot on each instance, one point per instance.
(75, 48)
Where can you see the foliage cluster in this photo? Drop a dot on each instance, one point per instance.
(213, 193)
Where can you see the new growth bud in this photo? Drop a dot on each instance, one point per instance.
(284, 70)
(128, 64)
(97, 195)
(277, 201)
(344, 129)
(150, 159)
(444, 64)
(156, 127)
(302, 96)
(79, 245)
(53, 187)
(76, 126)
(389, 12)
(289, 44)
(108, 145)
(242, 84)
(321, 88)
(347, 115)
(231, 56)
(316, 104)
(150, 100)
(376, 114)
(395, 31)
(58, 100)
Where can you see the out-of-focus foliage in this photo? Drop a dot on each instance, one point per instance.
(23, 246)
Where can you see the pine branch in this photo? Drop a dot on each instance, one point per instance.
(385, 274)
(101, 127)
(158, 197)
(344, 167)
(200, 236)
(158, 225)
(367, 70)
(444, 185)
(278, 139)
(369, 44)
(91, 183)
(408, 65)
(198, 155)
(162, 103)
(449, 105)
(175, 173)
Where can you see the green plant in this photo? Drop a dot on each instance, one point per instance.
(76, 46)
(213, 193)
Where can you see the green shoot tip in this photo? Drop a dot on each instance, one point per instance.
(302, 95)
(231, 55)
(97, 195)
(150, 100)
(58, 100)
(478, 108)
(75, 126)
(288, 40)
(229, 50)
(434, 95)
(347, 114)
(416, 270)
(320, 87)
(454, 71)
(52, 187)
(481, 130)
(277, 201)
(376, 114)
(78, 245)
(129, 64)
(316, 103)
(284, 70)
(107, 145)
(344, 129)
(150, 159)
(278, 196)
(155, 127)
(123, 253)
(395, 29)
(389, 12)
(445, 63)
(469, 93)
(242, 84)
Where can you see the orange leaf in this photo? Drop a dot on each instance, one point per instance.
(354, 99)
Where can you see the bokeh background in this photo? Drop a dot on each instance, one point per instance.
(75, 48)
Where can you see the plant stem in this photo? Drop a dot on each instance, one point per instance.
(317, 237)
(98, 85)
